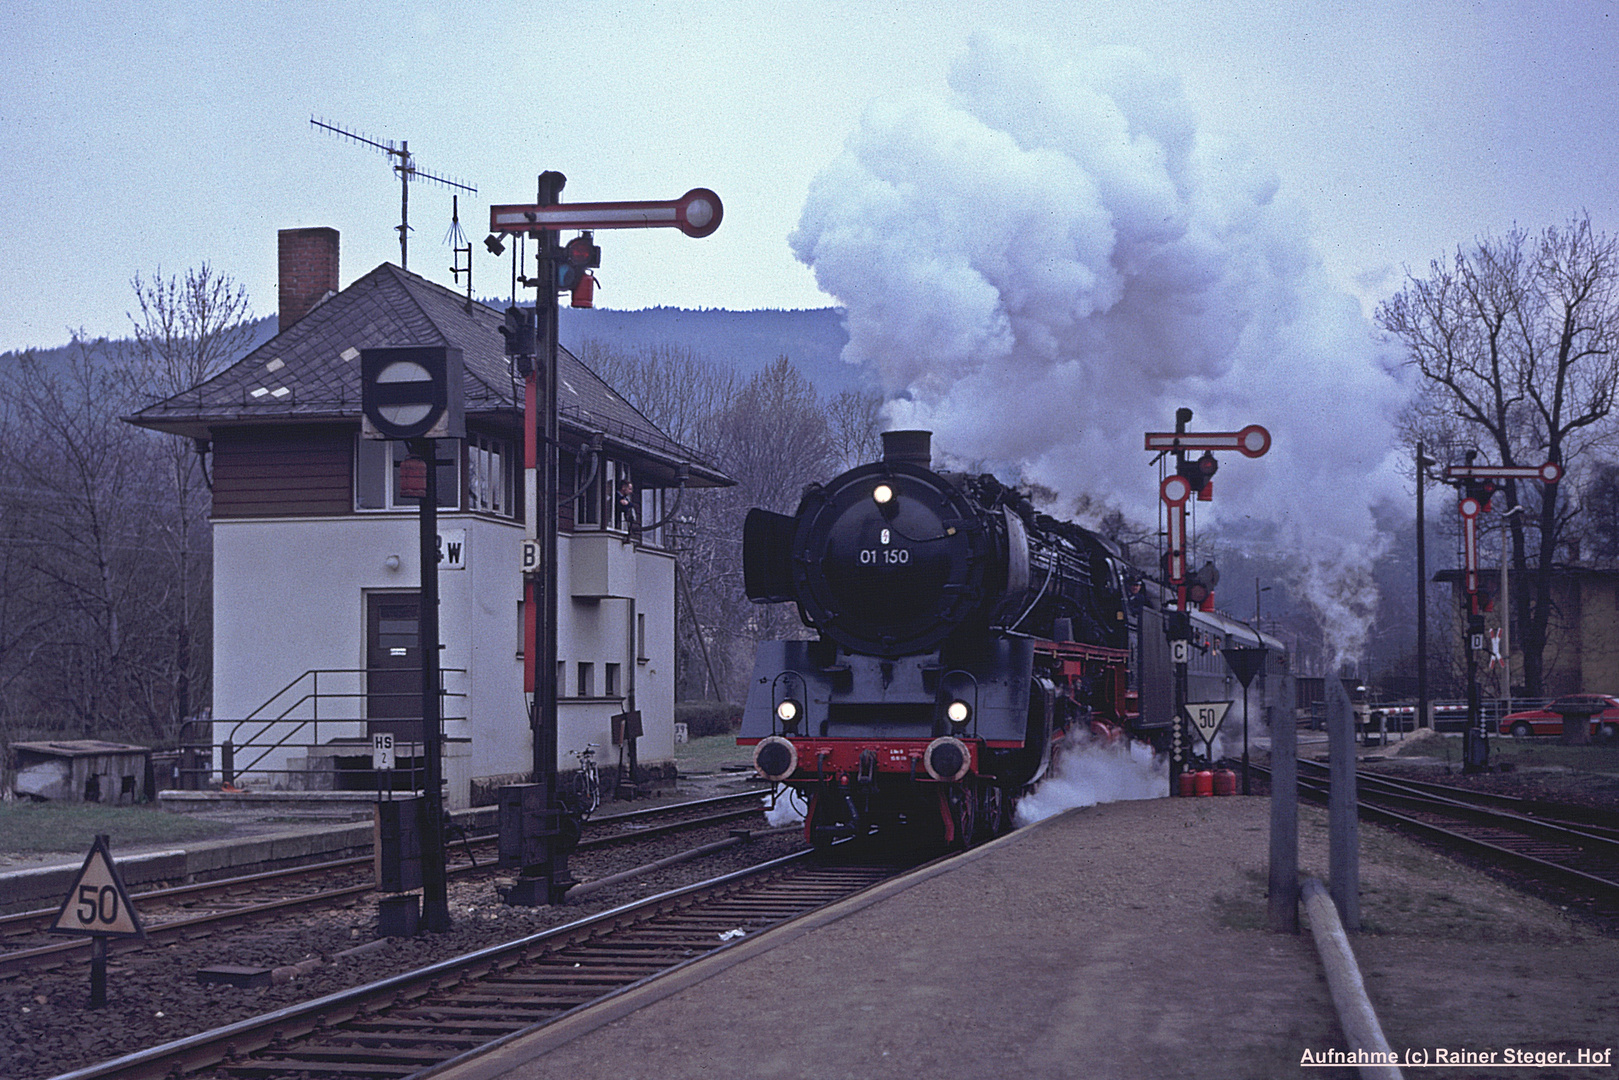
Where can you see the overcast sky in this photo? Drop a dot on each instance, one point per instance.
(158, 134)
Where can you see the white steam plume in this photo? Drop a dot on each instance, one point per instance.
(1049, 261)
(784, 806)
(1087, 771)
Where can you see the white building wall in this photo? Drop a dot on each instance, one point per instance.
(602, 630)
(290, 597)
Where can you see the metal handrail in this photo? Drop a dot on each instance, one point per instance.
(201, 749)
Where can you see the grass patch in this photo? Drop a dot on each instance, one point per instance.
(1531, 754)
(710, 753)
(1527, 754)
(40, 828)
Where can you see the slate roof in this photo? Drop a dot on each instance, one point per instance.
(311, 372)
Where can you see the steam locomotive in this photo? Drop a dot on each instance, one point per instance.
(961, 634)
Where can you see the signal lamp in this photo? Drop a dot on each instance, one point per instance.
(413, 478)
(788, 713)
(1200, 585)
(1197, 474)
(957, 712)
(882, 494)
(578, 256)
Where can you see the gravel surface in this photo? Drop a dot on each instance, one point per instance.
(1450, 956)
(154, 996)
(1127, 941)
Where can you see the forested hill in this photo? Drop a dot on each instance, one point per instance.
(812, 339)
(56, 358)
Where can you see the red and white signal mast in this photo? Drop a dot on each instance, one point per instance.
(1191, 477)
(1478, 484)
(534, 826)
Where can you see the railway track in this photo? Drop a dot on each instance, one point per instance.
(1571, 847)
(191, 911)
(407, 1023)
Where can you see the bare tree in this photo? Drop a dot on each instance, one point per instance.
(1599, 513)
(855, 421)
(1515, 340)
(187, 330)
(774, 438)
(82, 509)
(679, 390)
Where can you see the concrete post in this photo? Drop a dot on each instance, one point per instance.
(1343, 822)
(1283, 908)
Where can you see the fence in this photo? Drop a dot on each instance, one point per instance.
(1401, 716)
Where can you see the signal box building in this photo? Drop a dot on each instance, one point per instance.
(316, 571)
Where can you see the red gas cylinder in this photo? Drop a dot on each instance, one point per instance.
(1225, 782)
(1204, 784)
(1187, 780)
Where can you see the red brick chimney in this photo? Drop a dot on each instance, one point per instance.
(308, 271)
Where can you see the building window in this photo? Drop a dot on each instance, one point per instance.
(610, 680)
(588, 482)
(491, 477)
(587, 679)
(640, 637)
(376, 475)
(653, 508)
(596, 506)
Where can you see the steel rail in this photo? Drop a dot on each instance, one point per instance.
(503, 1010)
(1594, 818)
(65, 951)
(1561, 846)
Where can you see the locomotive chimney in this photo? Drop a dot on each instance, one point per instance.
(909, 447)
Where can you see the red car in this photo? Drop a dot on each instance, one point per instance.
(1546, 721)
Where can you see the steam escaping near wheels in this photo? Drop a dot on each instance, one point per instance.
(784, 806)
(1086, 771)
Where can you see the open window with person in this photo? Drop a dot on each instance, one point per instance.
(627, 507)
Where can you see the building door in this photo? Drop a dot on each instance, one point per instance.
(393, 676)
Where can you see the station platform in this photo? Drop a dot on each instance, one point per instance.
(1124, 940)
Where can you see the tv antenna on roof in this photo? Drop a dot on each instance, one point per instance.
(405, 168)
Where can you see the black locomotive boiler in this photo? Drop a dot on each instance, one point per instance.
(960, 634)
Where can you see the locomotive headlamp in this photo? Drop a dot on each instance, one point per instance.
(957, 712)
(882, 494)
(788, 713)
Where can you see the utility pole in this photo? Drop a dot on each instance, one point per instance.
(1423, 462)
